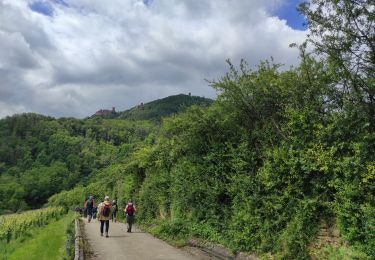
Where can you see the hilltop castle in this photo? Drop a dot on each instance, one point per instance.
(105, 112)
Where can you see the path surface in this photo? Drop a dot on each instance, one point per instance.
(133, 246)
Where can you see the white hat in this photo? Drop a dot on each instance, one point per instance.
(106, 198)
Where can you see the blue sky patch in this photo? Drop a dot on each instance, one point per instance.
(44, 8)
(288, 11)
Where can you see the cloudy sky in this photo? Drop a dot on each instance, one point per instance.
(69, 58)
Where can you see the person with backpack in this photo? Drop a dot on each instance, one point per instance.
(114, 210)
(130, 212)
(104, 215)
(89, 206)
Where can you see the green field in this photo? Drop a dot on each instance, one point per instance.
(48, 242)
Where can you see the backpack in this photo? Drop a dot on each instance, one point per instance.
(106, 210)
(90, 203)
(130, 210)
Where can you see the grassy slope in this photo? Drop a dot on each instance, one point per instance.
(48, 242)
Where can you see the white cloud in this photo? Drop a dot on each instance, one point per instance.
(95, 54)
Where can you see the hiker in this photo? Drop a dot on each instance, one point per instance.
(130, 211)
(114, 210)
(104, 215)
(84, 208)
(89, 205)
(78, 210)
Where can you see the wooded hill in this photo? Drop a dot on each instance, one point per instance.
(157, 109)
(280, 152)
(40, 155)
(164, 107)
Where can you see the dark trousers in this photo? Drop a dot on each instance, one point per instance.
(102, 225)
(114, 216)
(130, 220)
(89, 213)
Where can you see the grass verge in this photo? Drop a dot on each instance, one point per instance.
(48, 242)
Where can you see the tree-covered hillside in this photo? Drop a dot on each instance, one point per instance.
(164, 107)
(40, 156)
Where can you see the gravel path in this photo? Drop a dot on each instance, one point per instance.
(133, 246)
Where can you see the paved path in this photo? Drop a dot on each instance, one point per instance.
(133, 246)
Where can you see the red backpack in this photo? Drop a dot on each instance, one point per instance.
(106, 210)
(130, 209)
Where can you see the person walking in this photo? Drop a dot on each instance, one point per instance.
(130, 212)
(89, 206)
(85, 208)
(104, 215)
(114, 210)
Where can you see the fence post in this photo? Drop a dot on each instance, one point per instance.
(78, 243)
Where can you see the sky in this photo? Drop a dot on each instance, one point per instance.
(70, 58)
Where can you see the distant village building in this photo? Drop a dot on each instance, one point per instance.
(105, 112)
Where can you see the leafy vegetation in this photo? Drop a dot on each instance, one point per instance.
(41, 156)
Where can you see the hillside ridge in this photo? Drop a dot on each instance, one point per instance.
(158, 108)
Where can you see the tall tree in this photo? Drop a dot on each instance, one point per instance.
(343, 31)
